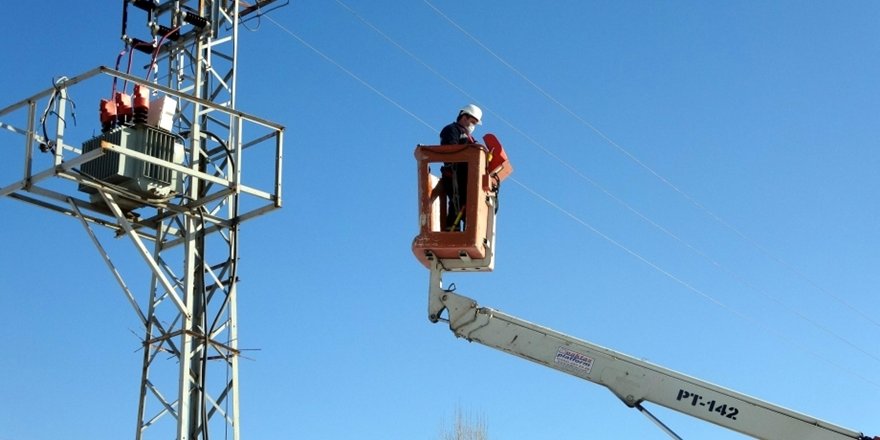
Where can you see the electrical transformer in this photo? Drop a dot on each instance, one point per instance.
(140, 181)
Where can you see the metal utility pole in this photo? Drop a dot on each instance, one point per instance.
(178, 190)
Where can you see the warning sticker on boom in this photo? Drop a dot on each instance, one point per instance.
(574, 360)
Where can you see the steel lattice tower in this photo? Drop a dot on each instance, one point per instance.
(188, 243)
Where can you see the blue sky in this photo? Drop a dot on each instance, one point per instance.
(696, 185)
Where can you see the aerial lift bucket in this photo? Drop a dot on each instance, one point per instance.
(470, 249)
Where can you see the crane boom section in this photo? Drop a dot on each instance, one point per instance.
(633, 380)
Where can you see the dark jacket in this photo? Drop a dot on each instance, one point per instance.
(455, 134)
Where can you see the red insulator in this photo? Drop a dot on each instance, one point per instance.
(141, 103)
(123, 107)
(108, 114)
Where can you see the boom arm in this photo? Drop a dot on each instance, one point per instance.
(632, 380)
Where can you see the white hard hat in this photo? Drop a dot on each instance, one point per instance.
(473, 111)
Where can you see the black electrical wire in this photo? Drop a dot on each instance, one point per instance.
(220, 141)
(124, 18)
(204, 323)
(47, 145)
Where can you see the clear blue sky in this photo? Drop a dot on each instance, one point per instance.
(696, 185)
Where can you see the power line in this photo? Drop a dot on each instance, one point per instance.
(568, 213)
(608, 193)
(690, 286)
(653, 172)
(696, 290)
(349, 72)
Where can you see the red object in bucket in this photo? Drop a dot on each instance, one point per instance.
(499, 164)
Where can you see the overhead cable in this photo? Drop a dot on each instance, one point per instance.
(608, 193)
(574, 217)
(656, 174)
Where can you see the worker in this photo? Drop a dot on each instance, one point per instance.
(454, 175)
(461, 131)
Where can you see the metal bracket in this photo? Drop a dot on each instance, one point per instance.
(436, 293)
(461, 311)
